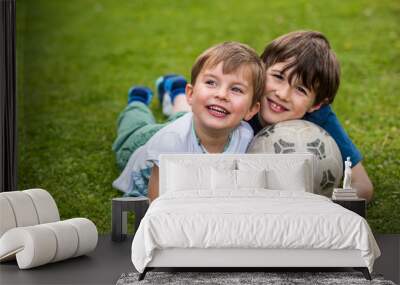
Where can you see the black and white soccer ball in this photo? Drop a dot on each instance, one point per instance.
(297, 136)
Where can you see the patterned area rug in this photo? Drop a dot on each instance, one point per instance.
(230, 278)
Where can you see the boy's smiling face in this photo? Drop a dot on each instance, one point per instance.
(284, 100)
(220, 101)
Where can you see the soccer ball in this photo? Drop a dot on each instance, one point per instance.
(303, 136)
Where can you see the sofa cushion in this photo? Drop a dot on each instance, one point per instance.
(40, 244)
(26, 208)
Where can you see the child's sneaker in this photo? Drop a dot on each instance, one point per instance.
(160, 86)
(168, 88)
(140, 94)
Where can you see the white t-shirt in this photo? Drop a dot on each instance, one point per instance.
(177, 137)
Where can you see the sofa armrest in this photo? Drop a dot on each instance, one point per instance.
(37, 245)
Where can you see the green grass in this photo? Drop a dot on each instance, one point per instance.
(77, 59)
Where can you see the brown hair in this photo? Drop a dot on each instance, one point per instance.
(312, 59)
(233, 55)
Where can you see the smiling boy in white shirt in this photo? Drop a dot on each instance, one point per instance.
(227, 82)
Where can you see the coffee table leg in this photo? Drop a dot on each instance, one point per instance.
(117, 219)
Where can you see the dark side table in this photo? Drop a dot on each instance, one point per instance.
(120, 207)
(357, 205)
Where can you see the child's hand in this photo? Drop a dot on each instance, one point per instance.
(361, 182)
(153, 183)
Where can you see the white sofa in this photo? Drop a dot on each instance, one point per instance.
(31, 231)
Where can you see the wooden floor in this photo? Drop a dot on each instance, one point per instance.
(110, 259)
(102, 266)
(389, 262)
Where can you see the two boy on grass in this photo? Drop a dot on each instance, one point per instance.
(229, 85)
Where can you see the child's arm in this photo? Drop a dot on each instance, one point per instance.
(361, 182)
(153, 183)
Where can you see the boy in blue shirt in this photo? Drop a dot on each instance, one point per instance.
(303, 77)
